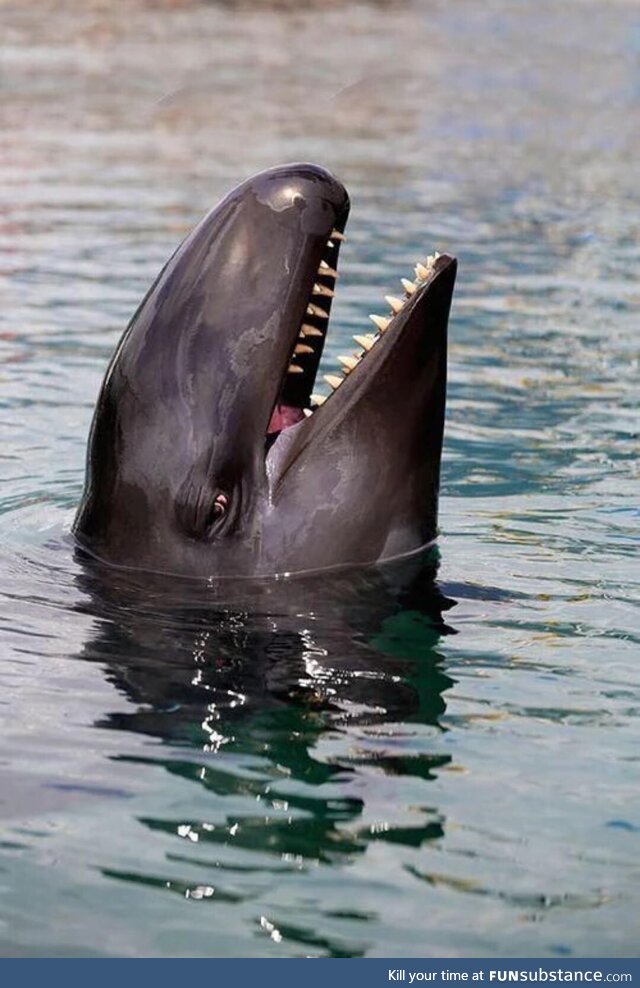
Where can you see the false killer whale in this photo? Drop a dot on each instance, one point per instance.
(210, 455)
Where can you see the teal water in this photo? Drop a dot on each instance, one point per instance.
(350, 770)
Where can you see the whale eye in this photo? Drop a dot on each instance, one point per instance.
(217, 513)
(219, 507)
(220, 504)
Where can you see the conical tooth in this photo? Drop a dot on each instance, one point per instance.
(318, 399)
(366, 341)
(333, 380)
(395, 304)
(310, 331)
(315, 310)
(348, 362)
(307, 412)
(409, 286)
(326, 271)
(336, 235)
(323, 290)
(294, 369)
(421, 271)
(330, 243)
(381, 322)
(303, 348)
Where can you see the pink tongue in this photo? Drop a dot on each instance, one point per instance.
(284, 416)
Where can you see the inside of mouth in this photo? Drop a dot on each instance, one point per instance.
(282, 417)
(297, 400)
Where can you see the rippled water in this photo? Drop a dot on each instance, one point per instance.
(372, 766)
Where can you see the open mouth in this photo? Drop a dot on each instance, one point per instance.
(298, 398)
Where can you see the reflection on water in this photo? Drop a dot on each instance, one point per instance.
(325, 768)
(269, 679)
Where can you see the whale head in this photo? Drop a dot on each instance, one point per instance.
(211, 454)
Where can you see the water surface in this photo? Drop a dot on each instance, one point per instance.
(375, 766)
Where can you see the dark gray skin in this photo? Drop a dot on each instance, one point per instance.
(180, 475)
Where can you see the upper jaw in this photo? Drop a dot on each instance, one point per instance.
(307, 345)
